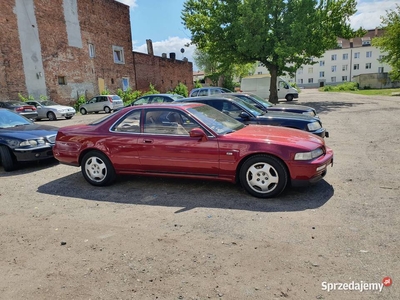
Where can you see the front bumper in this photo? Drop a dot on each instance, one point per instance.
(304, 173)
(321, 132)
(34, 154)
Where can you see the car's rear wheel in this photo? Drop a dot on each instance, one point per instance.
(107, 109)
(289, 97)
(263, 176)
(83, 111)
(68, 118)
(7, 160)
(51, 116)
(97, 169)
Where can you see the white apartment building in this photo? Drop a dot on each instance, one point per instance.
(351, 58)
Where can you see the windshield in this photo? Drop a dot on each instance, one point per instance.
(48, 103)
(250, 107)
(216, 120)
(265, 102)
(176, 96)
(9, 119)
(16, 103)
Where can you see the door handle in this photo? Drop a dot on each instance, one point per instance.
(148, 141)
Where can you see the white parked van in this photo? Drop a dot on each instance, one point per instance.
(259, 84)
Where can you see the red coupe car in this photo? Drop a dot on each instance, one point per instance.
(193, 140)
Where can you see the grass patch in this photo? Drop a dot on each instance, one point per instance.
(352, 87)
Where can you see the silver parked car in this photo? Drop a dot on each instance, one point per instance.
(106, 103)
(51, 110)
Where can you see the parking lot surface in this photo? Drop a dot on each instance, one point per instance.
(155, 238)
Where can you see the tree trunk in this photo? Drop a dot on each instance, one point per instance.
(273, 91)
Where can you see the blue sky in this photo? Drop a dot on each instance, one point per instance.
(160, 21)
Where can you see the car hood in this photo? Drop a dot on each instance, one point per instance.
(278, 135)
(57, 107)
(292, 107)
(286, 116)
(28, 131)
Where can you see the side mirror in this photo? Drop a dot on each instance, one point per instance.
(198, 133)
(244, 115)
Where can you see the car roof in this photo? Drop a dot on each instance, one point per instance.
(176, 104)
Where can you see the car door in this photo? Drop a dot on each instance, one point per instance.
(91, 105)
(165, 148)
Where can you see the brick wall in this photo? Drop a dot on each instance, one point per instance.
(164, 73)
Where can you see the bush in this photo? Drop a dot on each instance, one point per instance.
(181, 89)
(128, 96)
(81, 100)
(151, 91)
(347, 86)
(197, 84)
(24, 99)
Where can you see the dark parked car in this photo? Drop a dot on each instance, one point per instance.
(268, 106)
(154, 98)
(193, 140)
(249, 114)
(23, 140)
(22, 108)
(208, 91)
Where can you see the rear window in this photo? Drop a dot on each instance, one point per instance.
(116, 97)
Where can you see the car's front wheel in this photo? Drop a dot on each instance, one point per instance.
(51, 116)
(289, 97)
(83, 111)
(7, 159)
(97, 169)
(263, 176)
(107, 109)
(68, 118)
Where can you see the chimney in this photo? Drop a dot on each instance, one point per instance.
(351, 43)
(172, 56)
(376, 31)
(149, 47)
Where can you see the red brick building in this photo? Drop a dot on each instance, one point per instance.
(75, 47)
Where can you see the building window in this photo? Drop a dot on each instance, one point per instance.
(344, 78)
(300, 71)
(356, 67)
(91, 51)
(310, 70)
(333, 57)
(380, 70)
(322, 74)
(259, 73)
(380, 57)
(340, 44)
(368, 65)
(321, 63)
(366, 41)
(333, 68)
(310, 80)
(369, 53)
(333, 79)
(345, 56)
(62, 80)
(356, 54)
(118, 53)
(344, 68)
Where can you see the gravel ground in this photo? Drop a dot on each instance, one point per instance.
(153, 238)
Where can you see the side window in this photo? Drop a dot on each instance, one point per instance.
(194, 94)
(165, 122)
(130, 123)
(203, 92)
(142, 101)
(215, 91)
(231, 109)
(93, 100)
(157, 100)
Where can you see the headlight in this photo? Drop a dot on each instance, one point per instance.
(32, 143)
(313, 126)
(62, 110)
(309, 113)
(309, 155)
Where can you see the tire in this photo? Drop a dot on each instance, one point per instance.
(68, 118)
(289, 97)
(263, 176)
(107, 109)
(51, 116)
(97, 169)
(83, 111)
(7, 160)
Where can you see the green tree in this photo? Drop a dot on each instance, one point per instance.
(389, 42)
(281, 34)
